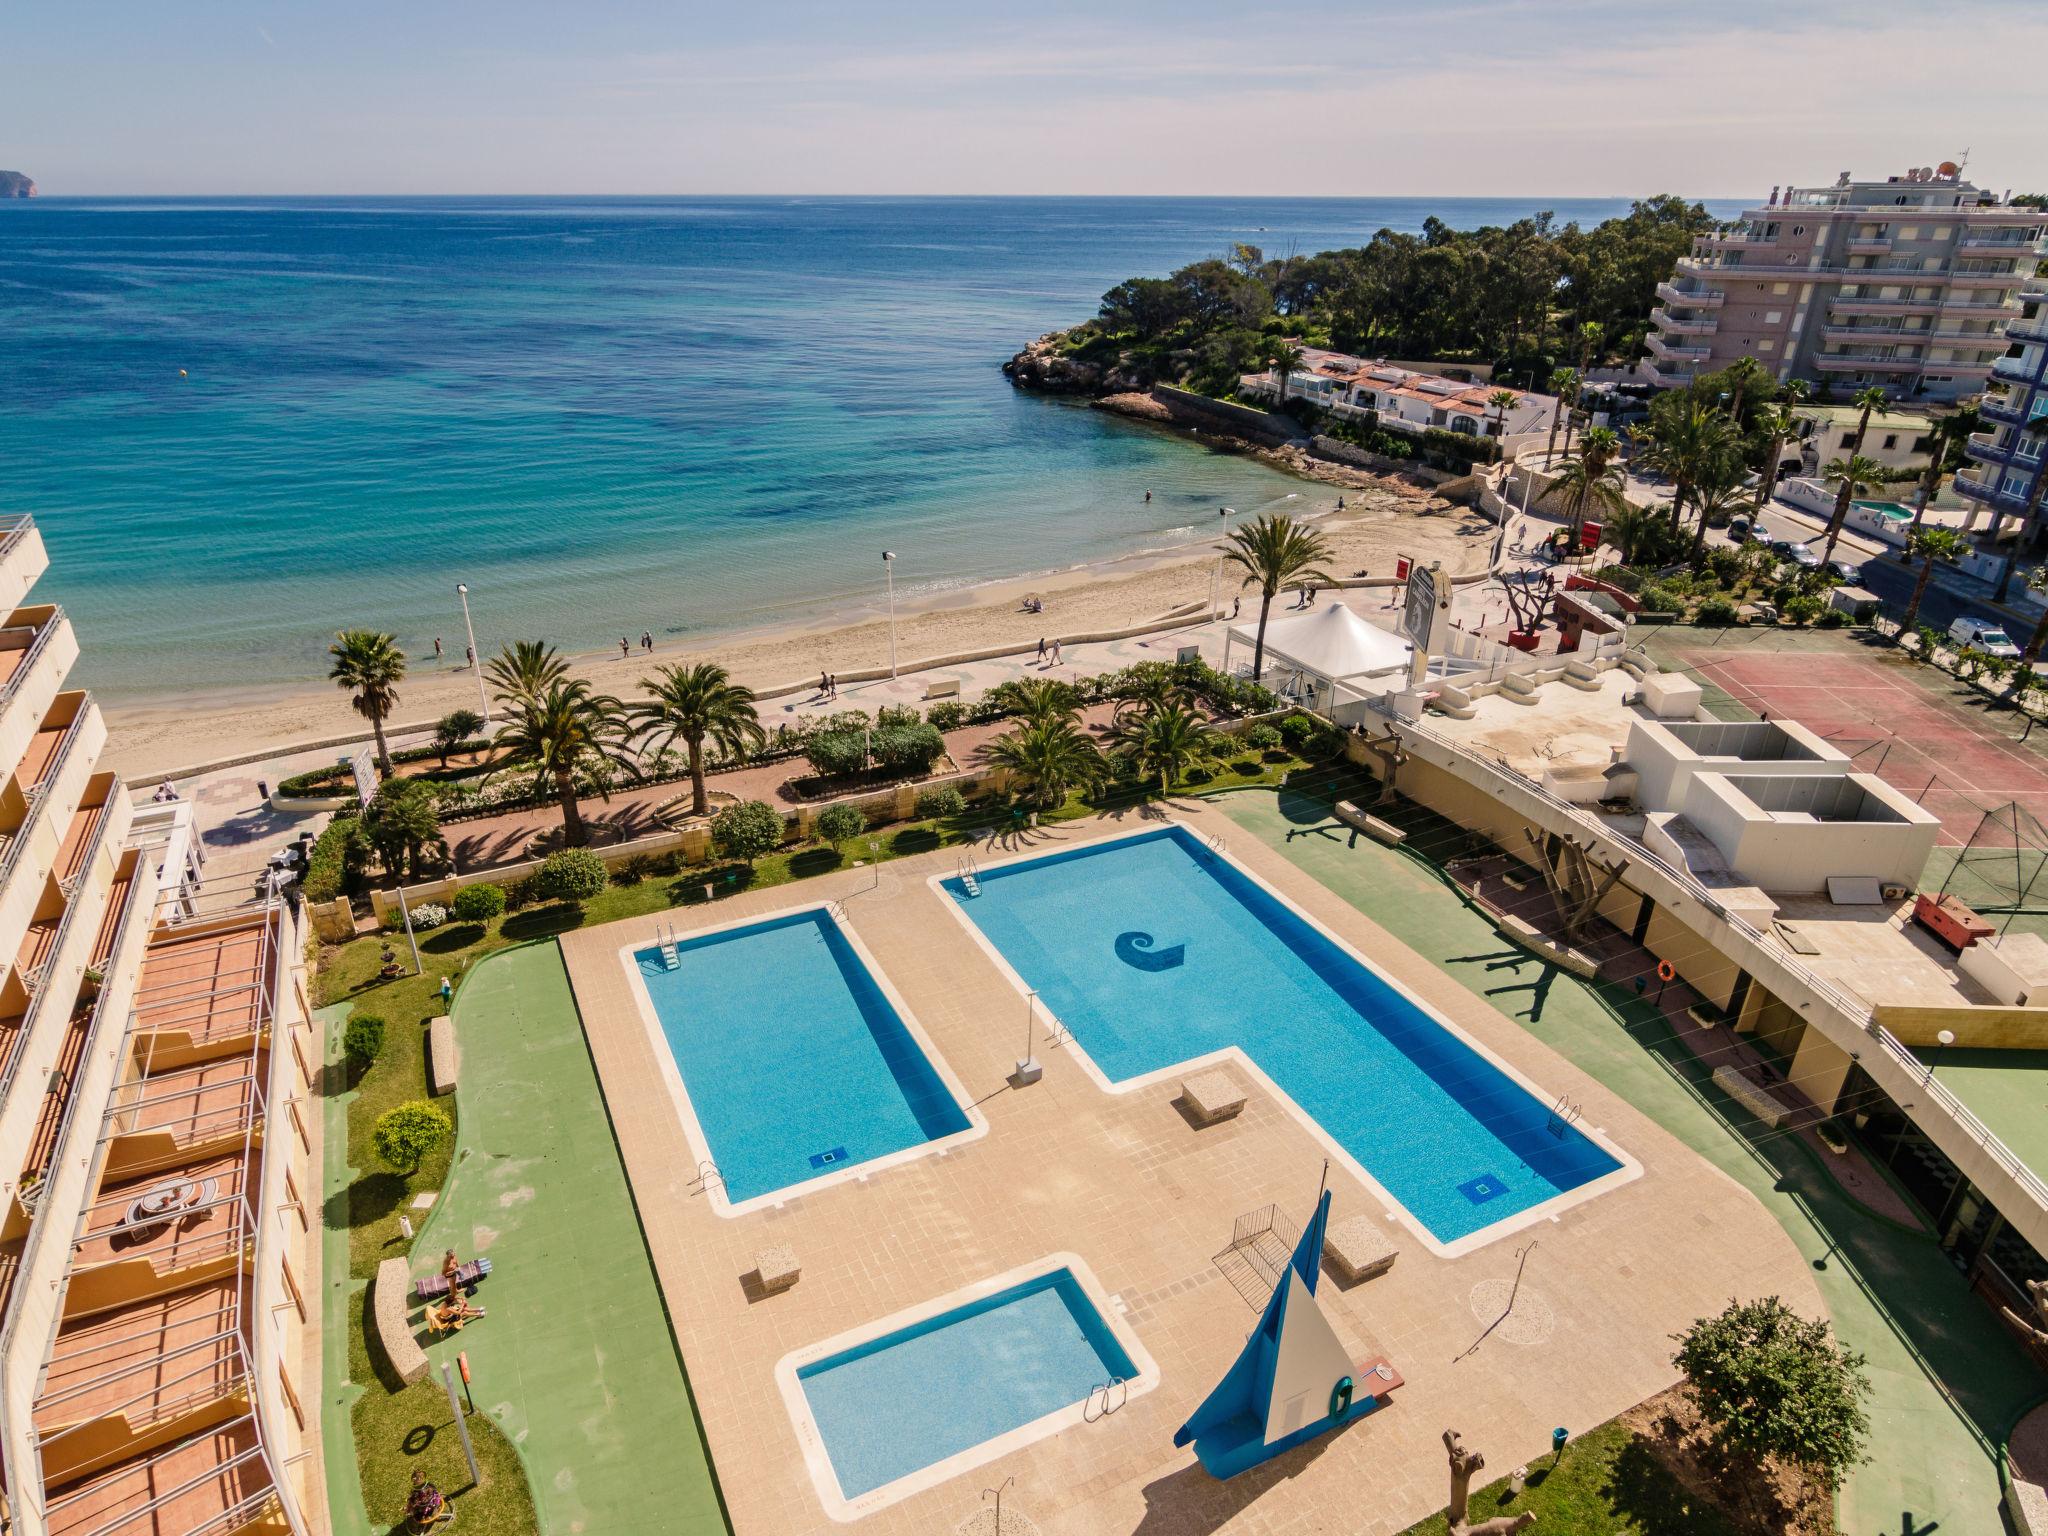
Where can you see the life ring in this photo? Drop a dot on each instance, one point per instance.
(1340, 1397)
(1666, 971)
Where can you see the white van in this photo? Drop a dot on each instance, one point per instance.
(1983, 635)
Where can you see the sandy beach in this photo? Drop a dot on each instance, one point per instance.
(1381, 521)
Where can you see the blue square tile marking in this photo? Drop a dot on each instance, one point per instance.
(827, 1159)
(1482, 1189)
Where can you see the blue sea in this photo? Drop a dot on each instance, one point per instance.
(244, 424)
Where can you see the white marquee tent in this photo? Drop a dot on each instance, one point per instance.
(1308, 654)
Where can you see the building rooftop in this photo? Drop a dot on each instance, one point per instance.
(2008, 1091)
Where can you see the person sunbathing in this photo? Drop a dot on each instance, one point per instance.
(456, 1311)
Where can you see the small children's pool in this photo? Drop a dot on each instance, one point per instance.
(923, 1396)
(794, 1062)
(1154, 950)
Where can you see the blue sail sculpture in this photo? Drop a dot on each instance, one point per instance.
(1293, 1380)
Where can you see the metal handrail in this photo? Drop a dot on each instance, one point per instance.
(37, 799)
(18, 526)
(235, 1364)
(1851, 1007)
(34, 649)
(237, 1115)
(239, 1511)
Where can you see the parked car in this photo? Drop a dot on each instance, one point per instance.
(1800, 555)
(1985, 636)
(1848, 570)
(1738, 529)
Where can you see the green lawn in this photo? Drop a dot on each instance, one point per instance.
(1607, 1483)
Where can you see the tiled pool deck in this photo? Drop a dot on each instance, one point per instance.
(1126, 1183)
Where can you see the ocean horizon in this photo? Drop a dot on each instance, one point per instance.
(244, 423)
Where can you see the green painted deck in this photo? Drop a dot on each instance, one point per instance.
(341, 1299)
(1949, 1383)
(576, 1361)
(2008, 1091)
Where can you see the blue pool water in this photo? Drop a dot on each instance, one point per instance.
(1441, 1128)
(893, 1405)
(795, 1062)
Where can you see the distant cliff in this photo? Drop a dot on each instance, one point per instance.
(16, 184)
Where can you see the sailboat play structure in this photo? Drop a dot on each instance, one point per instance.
(1293, 1381)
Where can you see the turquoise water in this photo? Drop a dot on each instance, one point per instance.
(795, 1062)
(1443, 1130)
(246, 424)
(897, 1404)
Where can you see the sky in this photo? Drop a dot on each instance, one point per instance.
(1709, 98)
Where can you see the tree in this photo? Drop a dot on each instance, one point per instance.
(524, 670)
(841, 823)
(1950, 433)
(1147, 686)
(694, 705)
(1856, 474)
(1500, 400)
(1719, 497)
(1286, 358)
(1868, 400)
(1563, 382)
(403, 825)
(1742, 377)
(1933, 546)
(1036, 699)
(1592, 336)
(1777, 426)
(1593, 481)
(369, 665)
(1163, 741)
(1690, 441)
(573, 875)
(747, 830)
(477, 903)
(1464, 1465)
(1628, 528)
(362, 1039)
(1049, 759)
(1770, 1383)
(406, 1133)
(1274, 551)
(453, 729)
(566, 731)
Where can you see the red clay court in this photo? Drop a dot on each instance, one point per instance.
(1944, 746)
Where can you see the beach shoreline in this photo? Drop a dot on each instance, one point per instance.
(167, 732)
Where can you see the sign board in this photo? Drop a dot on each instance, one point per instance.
(1429, 595)
(1188, 653)
(1589, 535)
(364, 766)
(1401, 567)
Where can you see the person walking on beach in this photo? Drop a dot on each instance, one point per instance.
(1148, 496)
(469, 656)
(824, 684)
(647, 641)
(1056, 653)
(437, 647)
(625, 648)
(1041, 648)
(1236, 605)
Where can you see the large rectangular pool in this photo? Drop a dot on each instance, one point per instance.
(1154, 950)
(924, 1395)
(794, 1063)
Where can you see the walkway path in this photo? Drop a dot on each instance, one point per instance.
(576, 1362)
(1949, 1382)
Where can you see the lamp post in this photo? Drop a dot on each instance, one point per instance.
(476, 662)
(1028, 1069)
(1942, 1042)
(889, 569)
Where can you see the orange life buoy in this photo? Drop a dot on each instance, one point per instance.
(1666, 971)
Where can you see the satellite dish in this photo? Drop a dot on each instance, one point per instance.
(1949, 168)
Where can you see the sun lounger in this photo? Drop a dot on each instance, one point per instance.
(434, 1287)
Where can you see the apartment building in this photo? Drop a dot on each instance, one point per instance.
(1907, 283)
(1401, 399)
(158, 1247)
(2008, 462)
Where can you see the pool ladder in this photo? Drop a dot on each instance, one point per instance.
(1216, 843)
(1564, 1114)
(838, 913)
(1091, 1414)
(969, 872)
(666, 934)
(707, 1175)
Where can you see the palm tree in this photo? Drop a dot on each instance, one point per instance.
(562, 732)
(1690, 442)
(1593, 481)
(1948, 432)
(1628, 528)
(1718, 498)
(526, 669)
(1934, 546)
(1050, 758)
(1163, 740)
(1037, 699)
(1286, 358)
(1744, 374)
(1592, 336)
(1149, 686)
(1274, 551)
(369, 664)
(1778, 424)
(1856, 474)
(1563, 381)
(1869, 400)
(694, 705)
(1500, 400)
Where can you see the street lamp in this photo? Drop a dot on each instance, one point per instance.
(476, 662)
(1942, 1042)
(889, 568)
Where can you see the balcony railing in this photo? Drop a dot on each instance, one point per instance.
(1841, 362)
(1875, 245)
(1684, 325)
(2021, 370)
(1691, 298)
(1677, 352)
(14, 528)
(2035, 329)
(2018, 243)
(35, 648)
(1848, 304)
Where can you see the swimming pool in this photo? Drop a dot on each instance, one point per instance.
(897, 1406)
(1154, 951)
(793, 1061)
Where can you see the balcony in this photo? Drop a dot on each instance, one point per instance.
(1958, 279)
(1842, 304)
(1691, 298)
(1743, 241)
(2000, 408)
(2027, 243)
(22, 557)
(2034, 329)
(174, 1117)
(210, 1484)
(1686, 325)
(1668, 375)
(37, 651)
(1677, 353)
(1838, 362)
(204, 996)
(2020, 370)
(1876, 245)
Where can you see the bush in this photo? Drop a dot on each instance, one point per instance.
(841, 823)
(404, 1135)
(1804, 609)
(573, 875)
(477, 903)
(1262, 738)
(948, 716)
(1769, 1383)
(1832, 618)
(454, 729)
(428, 914)
(747, 830)
(1297, 728)
(908, 748)
(940, 800)
(1717, 612)
(336, 861)
(835, 753)
(362, 1040)
(1657, 599)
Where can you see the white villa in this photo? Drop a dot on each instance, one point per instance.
(1403, 399)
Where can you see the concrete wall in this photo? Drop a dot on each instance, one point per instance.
(1766, 828)
(1666, 755)
(1984, 1028)
(1242, 420)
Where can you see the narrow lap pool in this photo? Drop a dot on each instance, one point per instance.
(923, 1396)
(1153, 950)
(794, 1062)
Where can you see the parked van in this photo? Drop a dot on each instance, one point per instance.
(1985, 636)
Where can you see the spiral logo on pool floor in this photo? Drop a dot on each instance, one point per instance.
(1135, 949)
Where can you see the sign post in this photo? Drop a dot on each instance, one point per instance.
(461, 1423)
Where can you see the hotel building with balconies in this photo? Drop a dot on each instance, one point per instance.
(158, 1242)
(2009, 459)
(1907, 283)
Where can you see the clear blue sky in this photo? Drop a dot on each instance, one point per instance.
(1351, 97)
